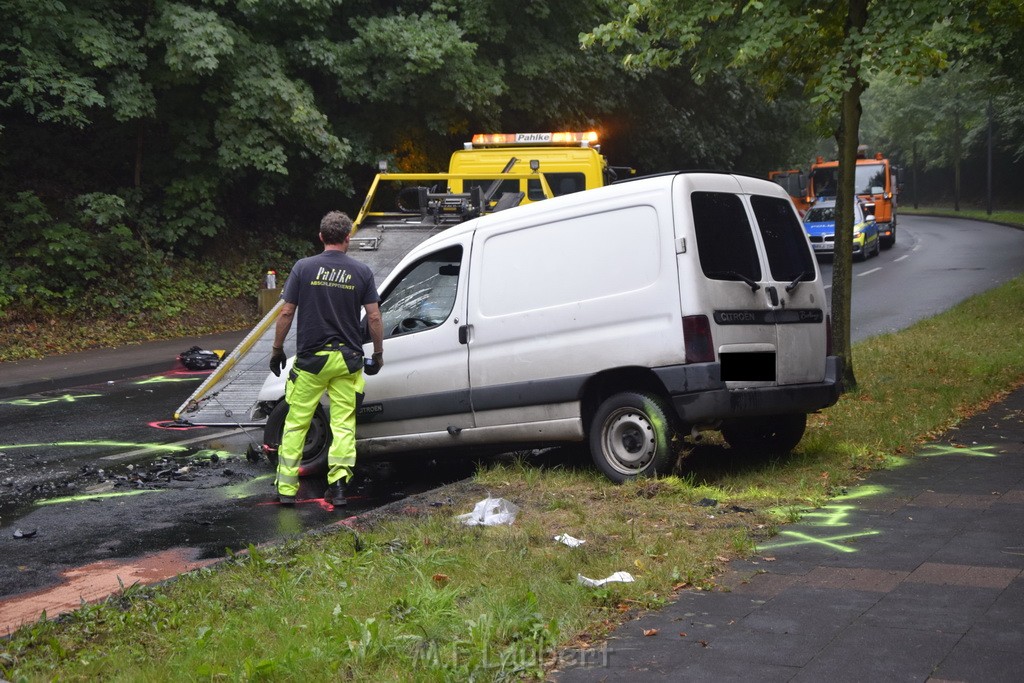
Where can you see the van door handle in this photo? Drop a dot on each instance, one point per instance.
(773, 294)
(463, 334)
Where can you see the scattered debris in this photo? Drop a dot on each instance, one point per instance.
(490, 512)
(648, 632)
(707, 502)
(199, 359)
(18, 533)
(617, 577)
(568, 540)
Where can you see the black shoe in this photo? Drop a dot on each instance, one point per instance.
(335, 494)
(287, 501)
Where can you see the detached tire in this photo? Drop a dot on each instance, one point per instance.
(318, 439)
(777, 434)
(631, 436)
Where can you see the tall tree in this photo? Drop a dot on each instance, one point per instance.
(835, 50)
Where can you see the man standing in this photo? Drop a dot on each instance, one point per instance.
(328, 289)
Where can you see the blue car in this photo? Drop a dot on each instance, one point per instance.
(820, 224)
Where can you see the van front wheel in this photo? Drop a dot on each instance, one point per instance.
(631, 436)
(776, 434)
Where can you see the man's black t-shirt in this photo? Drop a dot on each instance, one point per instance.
(329, 290)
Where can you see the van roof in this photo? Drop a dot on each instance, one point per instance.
(578, 198)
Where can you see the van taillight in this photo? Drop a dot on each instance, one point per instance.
(828, 335)
(697, 336)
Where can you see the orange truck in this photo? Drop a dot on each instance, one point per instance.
(876, 184)
(794, 181)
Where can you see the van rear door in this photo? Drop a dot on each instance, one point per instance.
(747, 255)
(800, 316)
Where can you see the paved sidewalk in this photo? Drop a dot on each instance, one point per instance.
(100, 365)
(916, 575)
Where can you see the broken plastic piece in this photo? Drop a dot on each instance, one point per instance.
(617, 577)
(199, 359)
(569, 540)
(490, 512)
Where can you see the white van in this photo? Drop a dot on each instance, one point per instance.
(616, 317)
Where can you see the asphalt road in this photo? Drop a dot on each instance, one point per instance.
(93, 476)
(935, 264)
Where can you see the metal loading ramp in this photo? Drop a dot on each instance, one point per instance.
(229, 395)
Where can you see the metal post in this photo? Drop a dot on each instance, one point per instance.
(989, 189)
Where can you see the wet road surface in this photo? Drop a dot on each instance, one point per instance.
(97, 490)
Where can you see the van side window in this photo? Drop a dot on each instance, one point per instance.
(724, 240)
(424, 295)
(784, 241)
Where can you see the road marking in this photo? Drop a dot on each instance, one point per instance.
(186, 442)
(868, 272)
(901, 258)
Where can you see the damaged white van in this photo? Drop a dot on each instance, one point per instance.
(615, 317)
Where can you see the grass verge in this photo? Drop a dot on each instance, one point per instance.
(1012, 218)
(410, 593)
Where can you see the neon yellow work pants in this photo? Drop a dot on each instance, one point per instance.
(309, 378)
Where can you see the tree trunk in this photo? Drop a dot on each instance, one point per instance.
(915, 174)
(847, 139)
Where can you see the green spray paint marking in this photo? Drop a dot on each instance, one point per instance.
(163, 379)
(170, 448)
(828, 542)
(94, 496)
(36, 402)
(979, 451)
(865, 491)
(830, 515)
(208, 454)
(247, 488)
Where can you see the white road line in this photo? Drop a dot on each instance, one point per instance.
(868, 272)
(156, 447)
(901, 258)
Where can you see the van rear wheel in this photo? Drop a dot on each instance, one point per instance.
(775, 434)
(631, 436)
(318, 439)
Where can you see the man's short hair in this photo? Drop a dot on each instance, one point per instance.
(335, 227)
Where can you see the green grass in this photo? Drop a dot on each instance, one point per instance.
(1014, 218)
(416, 595)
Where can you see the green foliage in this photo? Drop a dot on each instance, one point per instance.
(56, 260)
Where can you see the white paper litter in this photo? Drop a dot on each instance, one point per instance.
(490, 512)
(617, 577)
(569, 540)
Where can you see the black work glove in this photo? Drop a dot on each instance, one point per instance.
(373, 364)
(277, 361)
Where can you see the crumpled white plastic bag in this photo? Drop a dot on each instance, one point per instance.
(570, 541)
(490, 512)
(617, 577)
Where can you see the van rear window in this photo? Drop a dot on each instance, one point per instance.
(789, 258)
(725, 243)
